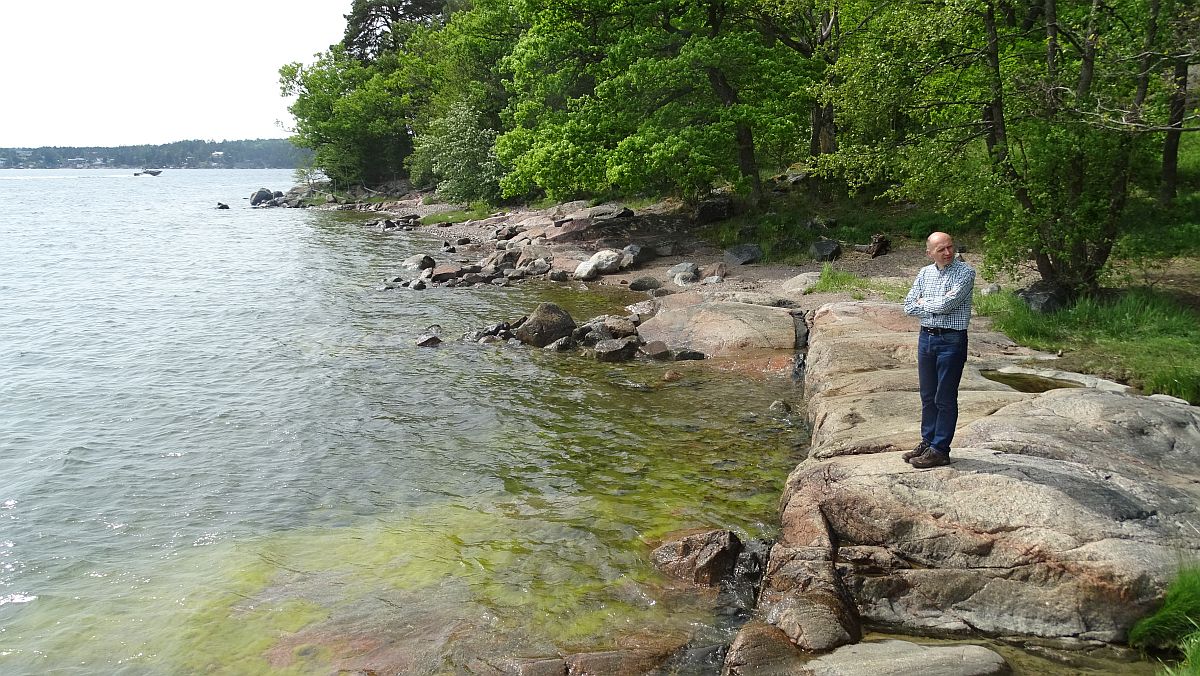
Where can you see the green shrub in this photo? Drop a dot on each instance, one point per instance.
(457, 153)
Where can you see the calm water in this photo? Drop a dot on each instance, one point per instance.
(221, 451)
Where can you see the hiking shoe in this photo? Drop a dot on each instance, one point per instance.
(930, 458)
(909, 455)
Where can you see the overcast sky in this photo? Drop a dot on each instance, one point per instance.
(128, 72)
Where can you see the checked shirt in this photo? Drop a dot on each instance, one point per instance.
(942, 298)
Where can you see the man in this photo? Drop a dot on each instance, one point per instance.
(941, 297)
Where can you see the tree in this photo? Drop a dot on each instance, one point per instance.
(649, 96)
(378, 27)
(353, 116)
(1037, 118)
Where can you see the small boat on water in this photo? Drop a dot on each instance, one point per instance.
(150, 172)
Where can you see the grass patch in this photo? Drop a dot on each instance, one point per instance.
(839, 281)
(1140, 337)
(474, 212)
(1190, 647)
(1176, 625)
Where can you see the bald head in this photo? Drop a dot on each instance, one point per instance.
(940, 248)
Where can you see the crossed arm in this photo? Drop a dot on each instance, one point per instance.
(927, 306)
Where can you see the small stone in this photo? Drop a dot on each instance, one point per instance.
(645, 283)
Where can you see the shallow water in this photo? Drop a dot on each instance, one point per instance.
(1028, 382)
(222, 452)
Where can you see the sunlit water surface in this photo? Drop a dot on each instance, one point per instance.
(221, 450)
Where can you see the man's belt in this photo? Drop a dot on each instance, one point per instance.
(937, 330)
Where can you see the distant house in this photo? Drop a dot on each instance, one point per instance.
(218, 155)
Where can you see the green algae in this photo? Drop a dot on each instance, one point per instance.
(554, 554)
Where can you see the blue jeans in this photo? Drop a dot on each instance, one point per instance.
(940, 361)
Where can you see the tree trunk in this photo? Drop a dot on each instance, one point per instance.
(1170, 156)
(823, 140)
(743, 135)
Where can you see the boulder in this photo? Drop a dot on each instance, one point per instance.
(614, 326)
(541, 266)
(418, 262)
(634, 255)
(803, 593)
(718, 328)
(800, 284)
(261, 195)
(546, 324)
(686, 267)
(760, 649)
(1062, 514)
(743, 254)
(1044, 297)
(564, 344)
(825, 249)
(719, 270)
(881, 658)
(700, 557)
(602, 262)
(645, 283)
(617, 349)
(532, 252)
(445, 272)
(712, 210)
(502, 258)
(602, 212)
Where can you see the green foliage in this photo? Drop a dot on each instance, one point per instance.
(1141, 337)
(457, 153)
(353, 116)
(1189, 646)
(972, 117)
(648, 97)
(1171, 624)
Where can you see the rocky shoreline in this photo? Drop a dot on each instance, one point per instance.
(1061, 521)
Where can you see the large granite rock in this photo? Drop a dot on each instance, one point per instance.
(902, 658)
(1062, 515)
(547, 324)
(861, 379)
(719, 328)
(601, 262)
